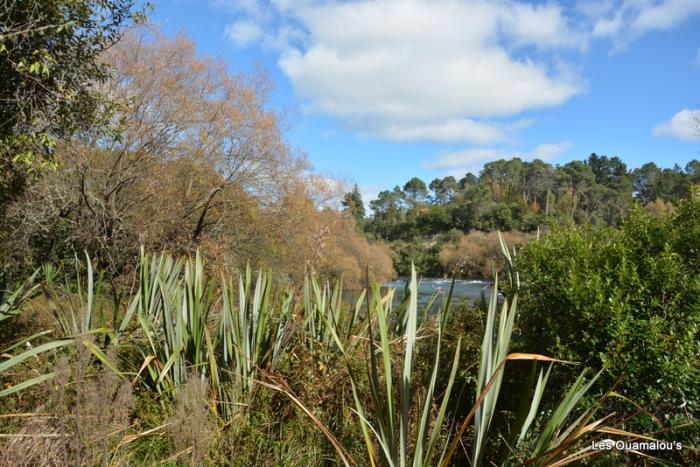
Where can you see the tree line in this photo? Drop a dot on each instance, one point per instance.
(520, 195)
(425, 222)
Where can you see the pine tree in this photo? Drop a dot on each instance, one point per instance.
(352, 202)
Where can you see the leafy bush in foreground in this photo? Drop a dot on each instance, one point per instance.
(625, 299)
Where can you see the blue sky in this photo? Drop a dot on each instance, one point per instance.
(384, 90)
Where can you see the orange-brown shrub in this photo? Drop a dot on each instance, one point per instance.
(478, 254)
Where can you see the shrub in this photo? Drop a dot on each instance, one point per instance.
(626, 299)
(478, 254)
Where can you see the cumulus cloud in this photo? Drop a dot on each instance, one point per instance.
(465, 158)
(447, 71)
(407, 70)
(451, 131)
(685, 125)
(414, 60)
(544, 25)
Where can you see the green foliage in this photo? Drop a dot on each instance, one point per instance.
(13, 298)
(627, 300)
(443, 189)
(253, 335)
(385, 377)
(49, 67)
(415, 191)
(423, 254)
(400, 425)
(352, 203)
(671, 184)
(325, 312)
(555, 435)
(517, 195)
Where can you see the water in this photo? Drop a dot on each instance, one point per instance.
(469, 290)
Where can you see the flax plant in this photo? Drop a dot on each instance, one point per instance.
(174, 310)
(403, 432)
(252, 336)
(76, 320)
(224, 335)
(324, 312)
(9, 361)
(12, 299)
(78, 309)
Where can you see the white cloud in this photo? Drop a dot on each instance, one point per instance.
(663, 15)
(685, 125)
(451, 131)
(550, 150)
(628, 20)
(411, 60)
(697, 57)
(244, 33)
(594, 8)
(420, 70)
(446, 71)
(608, 26)
(465, 157)
(544, 25)
(417, 69)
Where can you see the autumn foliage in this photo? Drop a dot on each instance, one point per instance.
(196, 159)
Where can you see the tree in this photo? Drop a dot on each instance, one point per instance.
(415, 191)
(49, 68)
(692, 169)
(443, 189)
(672, 184)
(352, 202)
(387, 211)
(645, 182)
(504, 178)
(577, 176)
(538, 182)
(608, 171)
(200, 161)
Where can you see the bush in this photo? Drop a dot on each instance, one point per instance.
(478, 254)
(420, 253)
(627, 299)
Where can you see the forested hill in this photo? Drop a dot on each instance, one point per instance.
(427, 223)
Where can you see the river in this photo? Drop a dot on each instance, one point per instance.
(469, 290)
